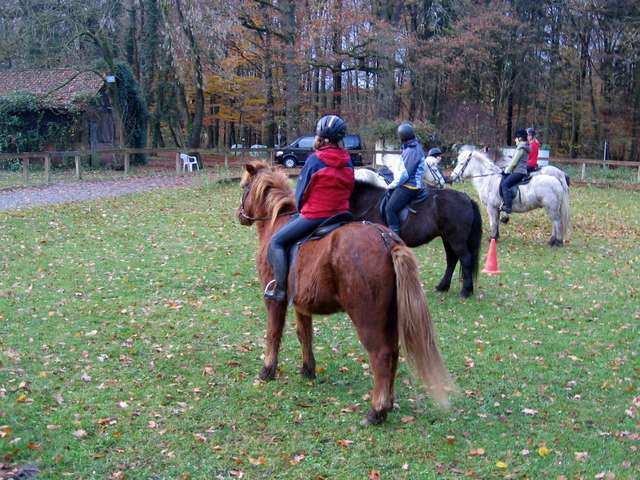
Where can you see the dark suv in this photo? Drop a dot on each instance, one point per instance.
(296, 152)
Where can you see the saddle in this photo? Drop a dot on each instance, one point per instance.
(324, 229)
(410, 208)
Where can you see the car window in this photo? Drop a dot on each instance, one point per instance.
(306, 142)
(351, 141)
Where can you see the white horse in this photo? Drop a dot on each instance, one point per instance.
(543, 191)
(432, 176)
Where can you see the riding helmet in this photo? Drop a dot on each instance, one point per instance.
(331, 127)
(531, 132)
(521, 133)
(406, 132)
(434, 152)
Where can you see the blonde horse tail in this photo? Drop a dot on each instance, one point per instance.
(565, 216)
(415, 328)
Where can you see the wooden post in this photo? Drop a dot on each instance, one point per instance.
(126, 163)
(78, 172)
(583, 175)
(638, 174)
(226, 160)
(177, 162)
(25, 169)
(47, 168)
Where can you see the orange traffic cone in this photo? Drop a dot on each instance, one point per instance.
(491, 265)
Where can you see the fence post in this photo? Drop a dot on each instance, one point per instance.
(78, 172)
(226, 160)
(25, 169)
(47, 168)
(639, 174)
(177, 163)
(584, 172)
(126, 163)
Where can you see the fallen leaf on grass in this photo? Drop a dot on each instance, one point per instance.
(236, 473)
(119, 475)
(544, 451)
(529, 411)
(80, 434)
(344, 443)
(34, 446)
(476, 452)
(451, 439)
(5, 431)
(581, 457)
(297, 458)
(374, 475)
(257, 461)
(408, 419)
(501, 465)
(23, 399)
(605, 476)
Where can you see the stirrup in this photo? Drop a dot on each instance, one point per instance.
(272, 292)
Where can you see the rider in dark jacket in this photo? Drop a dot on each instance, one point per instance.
(323, 190)
(407, 183)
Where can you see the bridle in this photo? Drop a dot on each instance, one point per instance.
(242, 212)
(460, 176)
(434, 174)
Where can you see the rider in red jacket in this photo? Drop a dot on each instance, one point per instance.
(534, 144)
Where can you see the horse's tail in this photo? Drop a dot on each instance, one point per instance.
(565, 216)
(415, 328)
(475, 239)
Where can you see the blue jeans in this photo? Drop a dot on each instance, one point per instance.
(278, 254)
(508, 182)
(400, 198)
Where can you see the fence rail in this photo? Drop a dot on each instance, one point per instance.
(226, 158)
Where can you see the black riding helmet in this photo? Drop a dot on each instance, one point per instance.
(434, 152)
(406, 132)
(331, 127)
(521, 134)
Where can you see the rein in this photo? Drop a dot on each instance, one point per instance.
(245, 193)
(460, 177)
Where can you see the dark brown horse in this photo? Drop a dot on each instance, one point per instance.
(447, 213)
(362, 269)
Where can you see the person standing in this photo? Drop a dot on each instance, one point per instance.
(407, 182)
(515, 172)
(534, 144)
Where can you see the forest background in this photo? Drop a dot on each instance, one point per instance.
(217, 73)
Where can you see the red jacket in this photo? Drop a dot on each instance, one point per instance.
(325, 183)
(533, 155)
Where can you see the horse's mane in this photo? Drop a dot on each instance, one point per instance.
(485, 159)
(271, 189)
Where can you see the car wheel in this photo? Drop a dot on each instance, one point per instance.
(290, 162)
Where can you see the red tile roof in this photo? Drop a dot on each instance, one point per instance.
(41, 82)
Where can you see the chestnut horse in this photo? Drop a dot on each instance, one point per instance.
(360, 268)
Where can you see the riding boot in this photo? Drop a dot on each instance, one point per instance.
(276, 289)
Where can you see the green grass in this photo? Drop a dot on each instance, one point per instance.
(152, 300)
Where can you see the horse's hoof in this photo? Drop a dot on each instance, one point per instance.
(466, 293)
(441, 288)
(308, 371)
(267, 373)
(374, 418)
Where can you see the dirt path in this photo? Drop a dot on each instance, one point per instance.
(36, 196)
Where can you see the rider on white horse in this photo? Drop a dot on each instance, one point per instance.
(432, 165)
(515, 172)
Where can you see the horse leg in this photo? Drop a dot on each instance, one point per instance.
(452, 259)
(276, 315)
(466, 265)
(494, 215)
(556, 228)
(304, 329)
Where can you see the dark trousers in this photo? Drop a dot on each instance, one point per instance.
(400, 198)
(508, 182)
(278, 254)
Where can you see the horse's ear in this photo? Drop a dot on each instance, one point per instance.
(250, 168)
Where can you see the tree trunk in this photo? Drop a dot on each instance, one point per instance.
(291, 71)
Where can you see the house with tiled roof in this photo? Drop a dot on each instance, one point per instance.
(61, 91)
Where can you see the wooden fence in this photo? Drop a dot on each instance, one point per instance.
(226, 158)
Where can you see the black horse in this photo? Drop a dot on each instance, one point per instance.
(447, 213)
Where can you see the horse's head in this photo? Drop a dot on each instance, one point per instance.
(265, 193)
(464, 158)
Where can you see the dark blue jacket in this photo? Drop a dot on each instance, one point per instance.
(413, 162)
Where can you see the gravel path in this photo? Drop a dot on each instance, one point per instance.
(36, 196)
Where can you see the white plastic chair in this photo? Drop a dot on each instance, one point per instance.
(188, 161)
